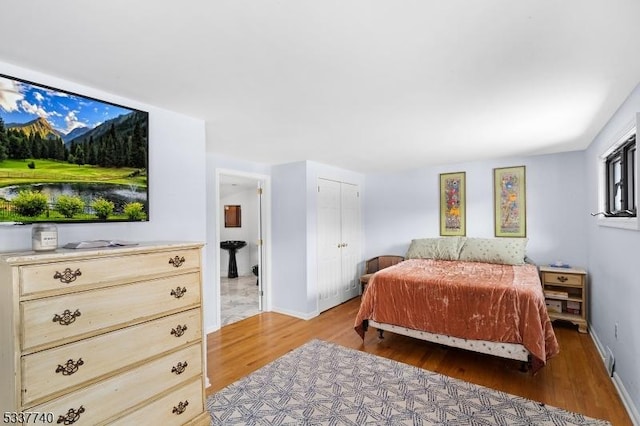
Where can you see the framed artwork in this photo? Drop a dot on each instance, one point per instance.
(66, 157)
(510, 201)
(452, 204)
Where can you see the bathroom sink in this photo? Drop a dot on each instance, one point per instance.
(232, 245)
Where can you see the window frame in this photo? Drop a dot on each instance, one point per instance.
(619, 219)
(621, 160)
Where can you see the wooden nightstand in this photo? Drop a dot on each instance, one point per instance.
(565, 291)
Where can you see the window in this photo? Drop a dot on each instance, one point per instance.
(618, 181)
(620, 169)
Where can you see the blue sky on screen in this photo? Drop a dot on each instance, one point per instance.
(22, 102)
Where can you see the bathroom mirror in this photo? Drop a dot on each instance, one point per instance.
(232, 216)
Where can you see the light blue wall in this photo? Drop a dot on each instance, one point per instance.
(289, 246)
(613, 257)
(562, 189)
(402, 206)
(294, 241)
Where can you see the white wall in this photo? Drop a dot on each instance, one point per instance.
(402, 206)
(247, 256)
(614, 278)
(177, 188)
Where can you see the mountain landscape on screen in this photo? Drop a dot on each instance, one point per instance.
(69, 158)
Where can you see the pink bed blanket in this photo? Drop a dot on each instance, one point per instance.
(470, 300)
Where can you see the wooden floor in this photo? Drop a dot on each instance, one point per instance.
(575, 379)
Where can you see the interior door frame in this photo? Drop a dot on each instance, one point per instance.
(264, 271)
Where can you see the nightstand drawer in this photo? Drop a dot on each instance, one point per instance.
(46, 321)
(69, 366)
(563, 279)
(64, 277)
(104, 401)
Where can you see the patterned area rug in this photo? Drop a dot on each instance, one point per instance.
(322, 383)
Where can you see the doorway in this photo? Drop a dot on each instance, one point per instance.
(241, 248)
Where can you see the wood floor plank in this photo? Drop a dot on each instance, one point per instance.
(575, 380)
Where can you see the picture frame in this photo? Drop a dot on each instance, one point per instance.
(453, 208)
(70, 158)
(510, 201)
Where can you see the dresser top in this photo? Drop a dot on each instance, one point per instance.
(29, 257)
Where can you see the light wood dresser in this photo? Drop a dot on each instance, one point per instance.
(103, 336)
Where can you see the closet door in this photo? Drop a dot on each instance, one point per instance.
(350, 236)
(329, 244)
(338, 236)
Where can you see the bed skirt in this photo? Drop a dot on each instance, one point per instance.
(505, 350)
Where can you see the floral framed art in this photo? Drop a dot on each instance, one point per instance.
(453, 207)
(510, 201)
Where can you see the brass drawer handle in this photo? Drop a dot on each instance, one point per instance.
(182, 406)
(179, 330)
(562, 278)
(178, 292)
(177, 261)
(71, 417)
(67, 276)
(67, 317)
(70, 367)
(179, 369)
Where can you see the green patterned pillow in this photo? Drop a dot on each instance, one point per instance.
(507, 251)
(445, 248)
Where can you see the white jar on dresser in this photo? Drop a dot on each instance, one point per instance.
(108, 335)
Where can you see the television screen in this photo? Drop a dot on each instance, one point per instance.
(65, 157)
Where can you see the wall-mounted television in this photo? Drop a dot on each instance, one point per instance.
(70, 158)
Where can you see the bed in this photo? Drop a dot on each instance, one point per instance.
(474, 293)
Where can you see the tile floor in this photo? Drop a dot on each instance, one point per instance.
(238, 298)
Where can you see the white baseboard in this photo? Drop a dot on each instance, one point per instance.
(300, 315)
(599, 345)
(626, 399)
(617, 382)
(211, 329)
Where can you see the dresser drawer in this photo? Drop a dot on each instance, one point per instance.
(564, 279)
(56, 370)
(47, 321)
(176, 408)
(107, 400)
(60, 277)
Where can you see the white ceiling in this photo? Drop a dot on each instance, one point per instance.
(232, 184)
(368, 85)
